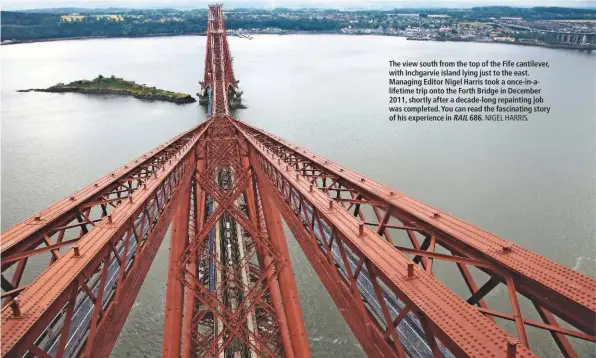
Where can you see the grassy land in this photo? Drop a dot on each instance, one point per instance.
(117, 84)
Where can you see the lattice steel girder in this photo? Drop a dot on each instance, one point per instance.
(217, 325)
(550, 286)
(92, 270)
(218, 62)
(72, 218)
(459, 326)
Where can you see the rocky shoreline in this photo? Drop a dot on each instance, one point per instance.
(119, 92)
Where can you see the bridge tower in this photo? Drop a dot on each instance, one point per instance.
(216, 30)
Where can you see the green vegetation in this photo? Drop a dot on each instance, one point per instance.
(118, 86)
(536, 25)
(41, 24)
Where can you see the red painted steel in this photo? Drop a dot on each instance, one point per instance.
(172, 332)
(552, 288)
(71, 219)
(287, 283)
(143, 218)
(224, 185)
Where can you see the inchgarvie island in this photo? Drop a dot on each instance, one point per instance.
(117, 86)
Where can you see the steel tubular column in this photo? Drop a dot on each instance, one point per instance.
(172, 332)
(189, 300)
(265, 257)
(287, 283)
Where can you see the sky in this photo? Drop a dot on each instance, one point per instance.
(338, 4)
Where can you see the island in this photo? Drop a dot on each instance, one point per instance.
(117, 86)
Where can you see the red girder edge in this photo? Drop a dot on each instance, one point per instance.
(479, 332)
(425, 217)
(30, 226)
(34, 304)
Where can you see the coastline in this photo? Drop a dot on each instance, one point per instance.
(552, 46)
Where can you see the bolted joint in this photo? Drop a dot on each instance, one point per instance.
(391, 193)
(507, 248)
(436, 215)
(130, 199)
(297, 176)
(96, 185)
(72, 198)
(77, 251)
(110, 218)
(310, 188)
(362, 180)
(16, 308)
(410, 270)
(37, 217)
(145, 186)
(330, 204)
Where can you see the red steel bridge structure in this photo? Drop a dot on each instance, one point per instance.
(223, 188)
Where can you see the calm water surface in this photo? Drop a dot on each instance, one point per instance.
(531, 183)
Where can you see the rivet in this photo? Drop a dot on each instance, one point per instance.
(436, 215)
(96, 185)
(16, 308)
(77, 252)
(113, 174)
(341, 169)
(362, 179)
(126, 166)
(410, 270)
(391, 193)
(72, 198)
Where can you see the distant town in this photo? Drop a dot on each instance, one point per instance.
(538, 26)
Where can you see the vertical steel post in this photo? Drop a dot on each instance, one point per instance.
(189, 301)
(264, 256)
(287, 283)
(172, 332)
